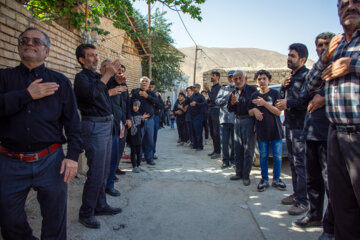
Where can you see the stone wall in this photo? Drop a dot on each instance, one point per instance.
(278, 75)
(14, 19)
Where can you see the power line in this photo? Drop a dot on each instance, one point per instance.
(211, 58)
(193, 38)
(185, 26)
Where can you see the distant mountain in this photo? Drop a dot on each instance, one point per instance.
(229, 58)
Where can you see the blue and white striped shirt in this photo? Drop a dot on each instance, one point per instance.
(342, 94)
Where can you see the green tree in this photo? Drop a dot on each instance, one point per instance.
(166, 59)
(113, 9)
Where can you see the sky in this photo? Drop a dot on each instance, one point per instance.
(265, 24)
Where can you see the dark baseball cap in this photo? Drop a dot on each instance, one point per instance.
(231, 73)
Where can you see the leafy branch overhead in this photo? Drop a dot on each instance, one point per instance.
(75, 12)
(166, 59)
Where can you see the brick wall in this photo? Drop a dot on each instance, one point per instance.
(14, 18)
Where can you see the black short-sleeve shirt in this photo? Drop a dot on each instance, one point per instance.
(270, 127)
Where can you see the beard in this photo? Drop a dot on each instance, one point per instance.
(293, 65)
(212, 80)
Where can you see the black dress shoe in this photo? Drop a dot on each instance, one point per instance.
(210, 154)
(235, 177)
(89, 222)
(224, 165)
(215, 156)
(108, 211)
(246, 182)
(306, 221)
(326, 236)
(155, 157)
(151, 163)
(113, 192)
(120, 172)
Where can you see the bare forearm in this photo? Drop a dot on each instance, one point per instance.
(272, 109)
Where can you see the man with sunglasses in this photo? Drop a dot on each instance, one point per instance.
(36, 105)
(339, 68)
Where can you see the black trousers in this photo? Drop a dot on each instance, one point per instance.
(16, 180)
(206, 129)
(295, 143)
(197, 131)
(182, 129)
(317, 183)
(135, 155)
(344, 182)
(214, 125)
(97, 145)
(190, 131)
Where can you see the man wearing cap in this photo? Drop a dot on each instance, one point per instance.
(96, 131)
(197, 102)
(36, 105)
(227, 120)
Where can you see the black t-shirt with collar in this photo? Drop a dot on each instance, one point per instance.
(270, 127)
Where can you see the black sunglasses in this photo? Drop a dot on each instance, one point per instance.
(35, 41)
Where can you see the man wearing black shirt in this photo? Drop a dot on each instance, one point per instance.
(189, 93)
(244, 138)
(178, 109)
(148, 102)
(158, 108)
(214, 114)
(268, 129)
(118, 130)
(126, 108)
(167, 111)
(316, 133)
(37, 104)
(96, 113)
(197, 103)
(295, 111)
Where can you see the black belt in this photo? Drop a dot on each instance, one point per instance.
(242, 116)
(98, 119)
(351, 128)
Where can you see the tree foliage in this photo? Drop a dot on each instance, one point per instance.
(166, 59)
(114, 9)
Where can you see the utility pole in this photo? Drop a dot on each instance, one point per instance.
(196, 49)
(149, 40)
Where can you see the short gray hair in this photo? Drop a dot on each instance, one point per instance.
(324, 35)
(241, 72)
(145, 78)
(106, 60)
(47, 39)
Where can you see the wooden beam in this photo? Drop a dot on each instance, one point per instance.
(134, 29)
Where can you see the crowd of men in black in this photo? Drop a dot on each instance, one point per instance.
(39, 107)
